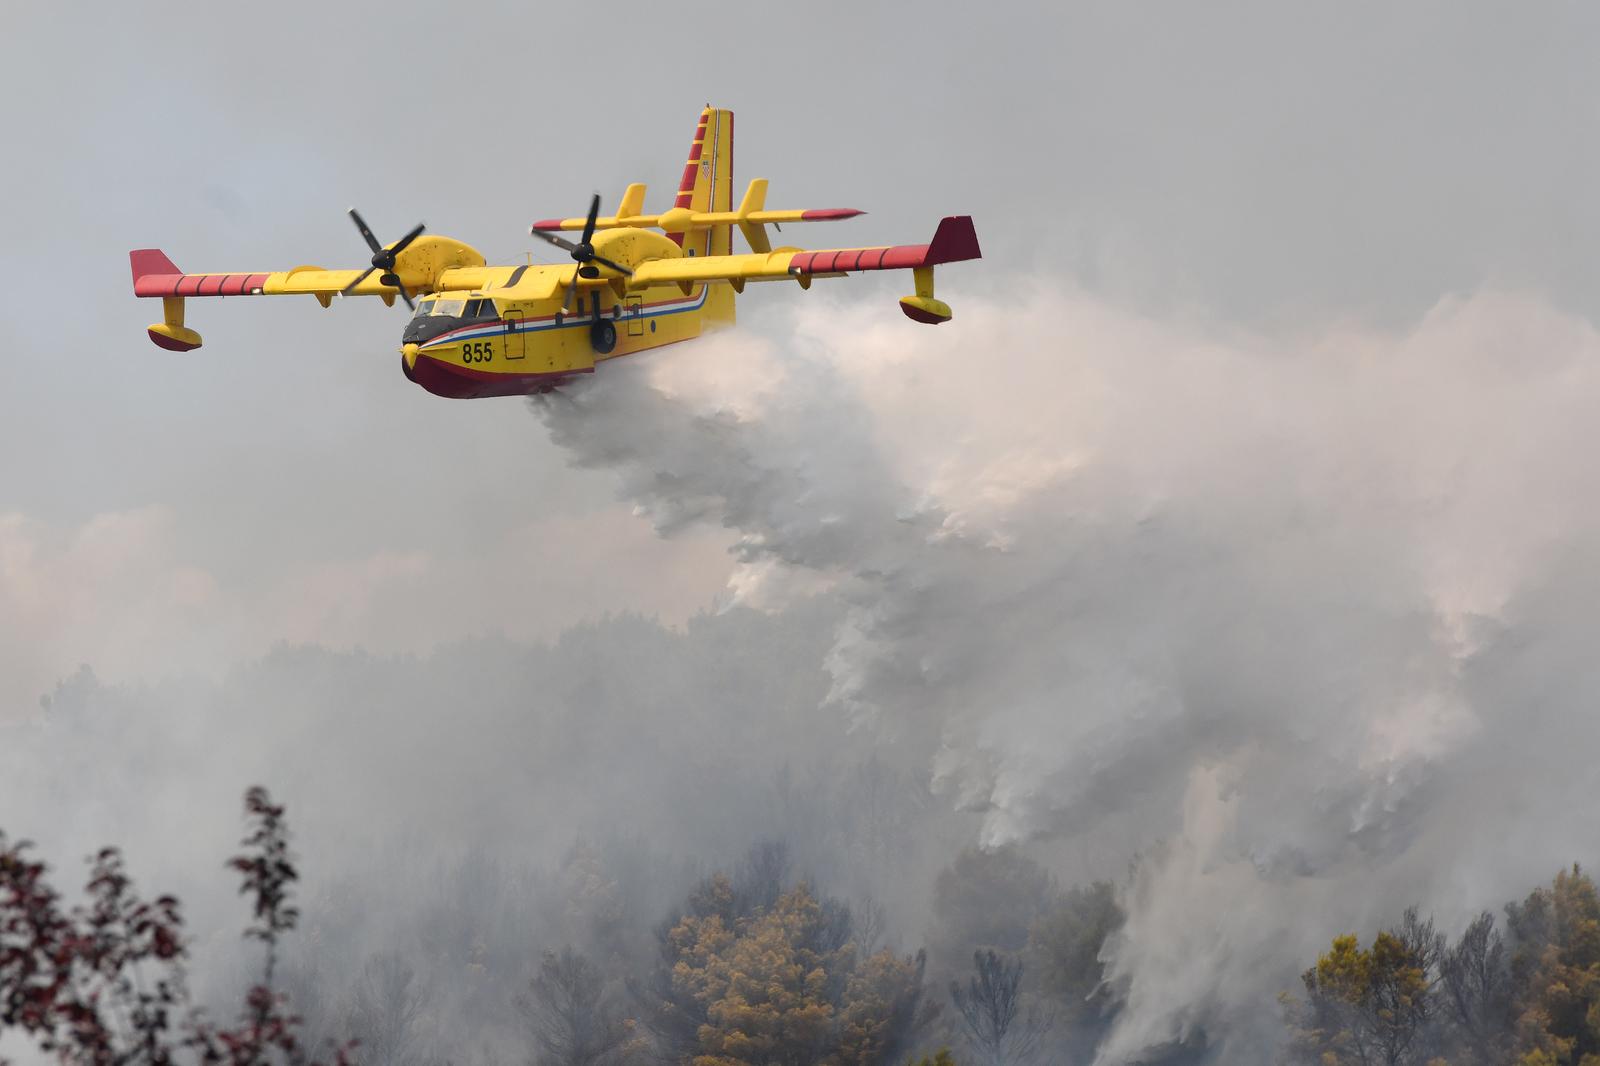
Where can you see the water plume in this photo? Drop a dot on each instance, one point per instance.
(1274, 617)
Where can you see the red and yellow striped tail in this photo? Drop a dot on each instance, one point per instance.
(707, 183)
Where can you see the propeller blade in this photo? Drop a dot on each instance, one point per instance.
(559, 242)
(372, 242)
(588, 224)
(401, 244)
(382, 259)
(572, 290)
(618, 267)
(348, 289)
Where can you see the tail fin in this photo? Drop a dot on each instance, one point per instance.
(146, 261)
(708, 181)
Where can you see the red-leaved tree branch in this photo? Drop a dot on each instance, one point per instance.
(104, 983)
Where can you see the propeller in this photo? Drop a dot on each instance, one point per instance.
(382, 258)
(583, 252)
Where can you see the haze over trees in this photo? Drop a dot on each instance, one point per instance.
(753, 967)
(642, 845)
(756, 966)
(589, 799)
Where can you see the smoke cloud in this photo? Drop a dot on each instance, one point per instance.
(1294, 623)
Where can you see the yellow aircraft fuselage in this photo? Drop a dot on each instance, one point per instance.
(471, 341)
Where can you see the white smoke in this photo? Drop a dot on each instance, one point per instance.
(92, 583)
(127, 593)
(1301, 621)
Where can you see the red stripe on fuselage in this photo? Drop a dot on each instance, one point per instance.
(575, 319)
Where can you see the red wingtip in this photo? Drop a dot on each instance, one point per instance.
(827, 214)
(150, 261)
(545, 224)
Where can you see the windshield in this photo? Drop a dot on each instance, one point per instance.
(448, 307)
(424, 308)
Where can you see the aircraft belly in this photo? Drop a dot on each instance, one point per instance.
(454, 381)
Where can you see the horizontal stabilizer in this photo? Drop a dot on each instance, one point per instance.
(680, 219)
(955, 240)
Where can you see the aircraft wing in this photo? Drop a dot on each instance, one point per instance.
(156, 275)
(541, 281)
(419, 266)
(955, 240)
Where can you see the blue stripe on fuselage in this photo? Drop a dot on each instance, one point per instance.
(498, 329)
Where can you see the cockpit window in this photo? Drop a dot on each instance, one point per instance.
(424, 308)
(453, 308)
(481, 309)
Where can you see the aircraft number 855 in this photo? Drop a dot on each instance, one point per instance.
(477, 352)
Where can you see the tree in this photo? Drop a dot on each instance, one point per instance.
(988, 1006)
(106, 983)
(1064, 950)
(987, 900)
(743, 981)
(1399, 997)
(767, 991)
(384, 1011)
(706, 925)
(575, 1018)
(593, 912)
(883, 1008)
(1556, 969)
(1371, 1006)
(1477, 987)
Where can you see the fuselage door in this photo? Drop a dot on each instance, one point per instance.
(516, 339)
(635, 315)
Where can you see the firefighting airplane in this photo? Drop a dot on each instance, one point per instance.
(480, 330)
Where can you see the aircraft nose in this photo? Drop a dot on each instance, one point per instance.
(410, 353)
